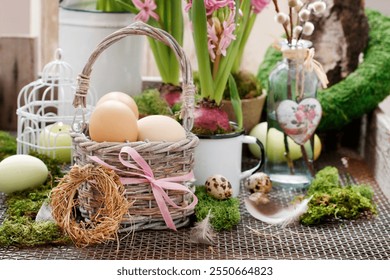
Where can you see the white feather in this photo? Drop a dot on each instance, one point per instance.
(203, 231)
(282, 217)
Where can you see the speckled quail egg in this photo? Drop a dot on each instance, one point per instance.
(218, 187)
(258, 182)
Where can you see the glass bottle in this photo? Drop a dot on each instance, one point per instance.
(289, 153)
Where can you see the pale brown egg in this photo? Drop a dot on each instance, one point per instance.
(120, 96)
(160, 128)
(113, 121)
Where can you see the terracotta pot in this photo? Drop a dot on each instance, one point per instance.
(251, 110)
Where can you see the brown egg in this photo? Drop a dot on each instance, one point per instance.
(120, 96)
(160, 128)
(113, 121)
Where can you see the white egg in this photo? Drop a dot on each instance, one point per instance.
(20, 172)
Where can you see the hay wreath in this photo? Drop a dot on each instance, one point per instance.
(365, 88)
(112, 205)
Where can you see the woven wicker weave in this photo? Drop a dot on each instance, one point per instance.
(166, 159)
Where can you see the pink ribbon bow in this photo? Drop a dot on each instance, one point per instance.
(158, 185)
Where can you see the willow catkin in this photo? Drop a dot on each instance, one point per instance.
(113, 205)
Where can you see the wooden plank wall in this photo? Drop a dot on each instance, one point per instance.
(18, 67)
(49, 31)
(21, 60)
(377, 152)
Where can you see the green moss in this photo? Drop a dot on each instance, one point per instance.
(332, 201)
(365, 88)
(19, 227)
(7, 145)
(149, 102)
(225, 214)
(326, 179)
(25, 232)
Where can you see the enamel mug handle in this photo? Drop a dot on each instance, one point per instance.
(253, 140)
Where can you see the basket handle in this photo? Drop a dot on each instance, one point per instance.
(140, 28)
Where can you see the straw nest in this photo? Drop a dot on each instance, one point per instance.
(112, 205)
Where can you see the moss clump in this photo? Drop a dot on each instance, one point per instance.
(7, 145)
(149, 102)
(332, 201)
(326, 179)
(366, 87)
(248, 86)
(25, 232)
(225, 214)
(19, 227)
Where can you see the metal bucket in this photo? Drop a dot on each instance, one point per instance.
(119, 67)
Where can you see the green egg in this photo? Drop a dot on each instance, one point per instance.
(21, 172)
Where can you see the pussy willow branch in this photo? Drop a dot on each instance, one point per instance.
(284, 24)
(308, 162)
(291, 23)
(304, 6)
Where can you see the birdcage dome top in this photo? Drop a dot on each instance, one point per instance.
(57, 71)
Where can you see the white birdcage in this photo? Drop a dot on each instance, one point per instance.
(46, 114)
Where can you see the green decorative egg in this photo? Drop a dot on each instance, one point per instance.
(21, 172)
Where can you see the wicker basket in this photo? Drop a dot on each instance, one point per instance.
(166, 159)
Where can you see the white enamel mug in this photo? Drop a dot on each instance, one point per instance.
(222, 154)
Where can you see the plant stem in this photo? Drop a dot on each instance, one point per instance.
(289, 86)
(290, 163)
(309, 163)
(291, 24)
(216, 66)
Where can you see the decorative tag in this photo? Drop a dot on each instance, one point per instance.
(299, 121)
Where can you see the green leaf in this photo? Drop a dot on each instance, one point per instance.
(236, 101)
(247, 31)
(127, 6)
(115, 6)
(160, 56)
(227, 61)
(199, 24)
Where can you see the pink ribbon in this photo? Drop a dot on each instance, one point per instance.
(158, 185)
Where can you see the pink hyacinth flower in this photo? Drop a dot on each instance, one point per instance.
(212, 5)
(212, 40)
(259, 5)
(188, 6)
(146, 8)
(227, 36)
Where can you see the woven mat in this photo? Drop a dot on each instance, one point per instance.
(366, 238)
